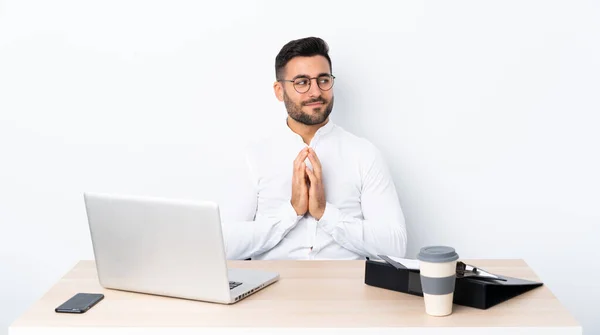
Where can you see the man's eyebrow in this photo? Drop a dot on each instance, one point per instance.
(307, 76)
(300, 76)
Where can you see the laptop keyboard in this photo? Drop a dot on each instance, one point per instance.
(233, 284)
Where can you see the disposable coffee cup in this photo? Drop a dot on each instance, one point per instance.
(438, 276)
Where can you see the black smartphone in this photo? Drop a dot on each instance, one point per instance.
(79, 303)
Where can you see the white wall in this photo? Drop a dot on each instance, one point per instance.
(487, 113)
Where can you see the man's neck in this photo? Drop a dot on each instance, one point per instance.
(305, 131)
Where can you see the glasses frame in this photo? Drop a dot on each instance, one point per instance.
(310, 82)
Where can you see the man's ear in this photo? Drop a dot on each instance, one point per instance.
(278, 89)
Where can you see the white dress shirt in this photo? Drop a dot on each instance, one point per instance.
(362, 216)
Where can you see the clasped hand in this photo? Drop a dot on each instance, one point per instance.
(308, 193)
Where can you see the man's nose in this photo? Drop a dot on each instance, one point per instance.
(314, 90)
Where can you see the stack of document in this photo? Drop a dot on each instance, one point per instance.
(401, 263)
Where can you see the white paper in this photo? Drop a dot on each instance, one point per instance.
(412, 264)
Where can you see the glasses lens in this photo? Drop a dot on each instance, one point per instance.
(325, 82)
(302, 85)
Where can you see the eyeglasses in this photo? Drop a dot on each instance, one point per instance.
(302, 84)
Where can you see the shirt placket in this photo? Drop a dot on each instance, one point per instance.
(312, 224)
(310, 237)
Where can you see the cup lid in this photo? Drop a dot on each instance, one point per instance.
(437, 254)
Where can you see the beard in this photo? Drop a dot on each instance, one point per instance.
(320, 113)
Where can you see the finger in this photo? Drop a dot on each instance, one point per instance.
(299, 173)
(311, 176)
(312, 152)
(314, 160)
(300, 159)
(301, 155)
(299, 164)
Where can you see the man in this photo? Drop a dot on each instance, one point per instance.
(318, 192)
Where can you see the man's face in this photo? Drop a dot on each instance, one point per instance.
(314, 106)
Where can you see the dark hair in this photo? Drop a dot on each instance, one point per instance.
(306, 47)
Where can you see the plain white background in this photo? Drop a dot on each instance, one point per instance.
(486, 112)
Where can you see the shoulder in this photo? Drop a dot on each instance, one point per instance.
(265, 147)
(364, 148)
(362, 151)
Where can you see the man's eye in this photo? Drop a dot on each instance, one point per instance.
(301, 82)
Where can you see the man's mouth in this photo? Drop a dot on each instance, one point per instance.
(314, 104)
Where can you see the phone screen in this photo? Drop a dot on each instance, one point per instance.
(79, 303)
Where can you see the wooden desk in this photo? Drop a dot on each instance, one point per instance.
(312, 297)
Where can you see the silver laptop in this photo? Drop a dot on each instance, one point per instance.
(166, 247)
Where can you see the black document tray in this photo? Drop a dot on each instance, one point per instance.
(469, 291)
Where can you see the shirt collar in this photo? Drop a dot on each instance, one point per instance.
(324, 130)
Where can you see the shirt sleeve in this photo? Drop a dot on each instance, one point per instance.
(382, 230)
(245, 233)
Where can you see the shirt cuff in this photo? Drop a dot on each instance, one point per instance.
(330, 218)
(289, 213)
